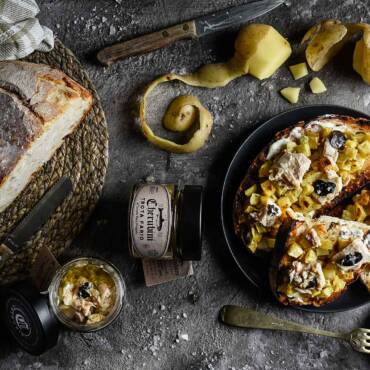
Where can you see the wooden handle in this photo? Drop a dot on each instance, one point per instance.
(147, 43)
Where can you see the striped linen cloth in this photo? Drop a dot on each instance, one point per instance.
(20, 32)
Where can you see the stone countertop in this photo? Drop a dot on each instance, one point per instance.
(144, 335)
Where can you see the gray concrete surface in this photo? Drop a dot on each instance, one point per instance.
(144, 336)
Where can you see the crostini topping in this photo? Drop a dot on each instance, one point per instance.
(268, 214)
(289, 169)
(353, 256)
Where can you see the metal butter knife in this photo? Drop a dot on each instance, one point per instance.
(37, 217)
(192, 29)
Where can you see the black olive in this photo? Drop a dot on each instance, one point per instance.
(324, 188)
(367, 239)
(337, 140)
(273, 210)
(311, 283)
(351, 259)
(83, 290)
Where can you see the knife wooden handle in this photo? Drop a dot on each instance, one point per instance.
(147, 43)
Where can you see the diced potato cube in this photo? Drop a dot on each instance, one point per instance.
(250, 190)
(284, 202)
(310, 256)
(326, 244)
(268, 187)
(264, 170)
(317, 86)
(250, 209)
(289, 290)
(270, 242)
(329, 271)
(299, 70)
(304, 148)
(260, 228)
(295, 250)
(338, 284)
(290, 146)
(364, 147)
(322, 252)
(264, 199)
(291, 94)
(254, 199)
(328, 291)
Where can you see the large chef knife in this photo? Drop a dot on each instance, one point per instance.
(38, 216)
(191, 29)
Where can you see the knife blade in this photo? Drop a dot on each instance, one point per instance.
(35, 219)
(234, 16)
(192, 29)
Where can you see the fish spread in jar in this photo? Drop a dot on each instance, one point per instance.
(87, 294)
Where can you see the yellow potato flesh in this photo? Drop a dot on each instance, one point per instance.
(291, 94)
(299, 70)
(361, 57)
(317, 86)
(259, 50)
(263, 49)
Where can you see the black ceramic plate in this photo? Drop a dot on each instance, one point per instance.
(253, 267)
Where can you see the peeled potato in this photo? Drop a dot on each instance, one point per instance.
(361, 55)
(327, 38)
(259, 50)
(324, 41)
(262, 49)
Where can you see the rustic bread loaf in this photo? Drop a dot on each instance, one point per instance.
(42, 106)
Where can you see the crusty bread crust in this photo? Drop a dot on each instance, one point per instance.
(278, 264)
(45, 96)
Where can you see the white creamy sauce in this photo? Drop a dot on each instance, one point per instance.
(327, 121)
(277, 147)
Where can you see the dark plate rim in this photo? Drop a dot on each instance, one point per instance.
(250, 137)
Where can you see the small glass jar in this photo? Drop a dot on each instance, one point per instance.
(115, 276)
(165, 222)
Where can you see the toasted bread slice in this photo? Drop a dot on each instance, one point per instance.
(306, 170)
(315, 260)
(358, 209)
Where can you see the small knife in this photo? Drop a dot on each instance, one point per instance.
(192, 29)
(37, 217)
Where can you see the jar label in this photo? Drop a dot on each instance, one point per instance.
(151, 220)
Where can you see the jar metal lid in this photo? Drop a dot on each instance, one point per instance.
(28, 318)
(190, 223)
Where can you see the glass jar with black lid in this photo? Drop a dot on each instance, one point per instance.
(165, 221)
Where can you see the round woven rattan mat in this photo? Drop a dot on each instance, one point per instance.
(83, 158)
